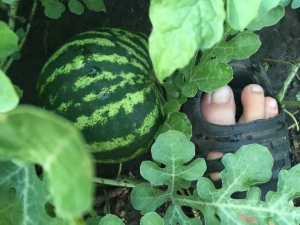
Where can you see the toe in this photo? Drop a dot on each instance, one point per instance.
(218, 108)
(253, 101)
(271, 107)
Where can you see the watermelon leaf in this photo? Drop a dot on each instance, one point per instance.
(111, 219)
(176, 121)
(8, 96)
(94, 220)
(6, 206)
(54, 143)
(95, 5)
(53, 8)
(152, 218)
(9, 40)
(76, 7)
(267, 5)
(8, 1)
(240, 173)
(295, 4)
(182, 27)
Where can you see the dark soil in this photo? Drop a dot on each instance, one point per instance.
(280, 42)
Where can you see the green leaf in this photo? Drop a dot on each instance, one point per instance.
(6, 206)
(18, 91)
(16, 55)
(53, 8)
(241, 46)
(267, 5)
(298, 96)
(95, 5)
(212, 75)
(111, 219)
(152, 218)
(172, 91)
(8, 1)
(171, 106)
(76, 7)
(9, 40)
(20, 33)
(284, 2)
(33, 135)
(93, 220)
(174, 22)
(190, 89)
(267, 19)
(8, 96)
(168, 149)
(295, 4)
(241, 13)
(176, 121)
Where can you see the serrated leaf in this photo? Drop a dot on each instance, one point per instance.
(76, 7)
(212, 76)
(267, 19)
(171, 106)
(175, 22)
(95, 5)
(54, 143)
(176, 121)
(241, 13)
(241, 46)
(152, 218)
(111, 219)
(295, 4)
(20, 33)
(15, 55)
(9, 40)
(53, 8)
(8, 1)
(8, 96)
(168, 150)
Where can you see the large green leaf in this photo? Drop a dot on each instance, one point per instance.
(240, 173)
(266, 19)
(9, 99)
(9, 40)
(180, 28)
(32, 135)
(241, 13)
(53, 8)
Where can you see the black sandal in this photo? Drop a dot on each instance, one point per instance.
(271, 133)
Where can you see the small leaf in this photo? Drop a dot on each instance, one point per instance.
(16, 55)
(53, 8)
(76, 7)
(190, 89)
(111, 219)
(175, 22)
(152, 218)
(9, 40)
(8, 1)
(171, 106)
(18, 91)
(176, 121)
(95, 5)
(267, 19)
(93, 220)
(172, 91)
(295, 4)
(8, 96)
(241, 13)
(298, 96)
(20, 32)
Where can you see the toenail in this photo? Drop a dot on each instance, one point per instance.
(273, 103)
(257, 88)
(221, 95)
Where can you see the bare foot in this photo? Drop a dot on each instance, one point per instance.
(219, 107)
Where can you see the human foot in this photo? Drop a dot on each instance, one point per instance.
(219, 108)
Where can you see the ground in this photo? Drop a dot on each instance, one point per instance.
(280, 42)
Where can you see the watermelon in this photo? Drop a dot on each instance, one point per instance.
(103, 81)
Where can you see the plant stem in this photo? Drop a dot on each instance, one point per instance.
(119, 172)
(11, 23)
(278, 61)
(13, 14)
(290, 103)
(112, 182)
(291, 115)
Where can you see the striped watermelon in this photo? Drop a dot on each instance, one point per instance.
(103, 81)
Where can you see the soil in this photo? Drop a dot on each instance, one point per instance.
(280, 42)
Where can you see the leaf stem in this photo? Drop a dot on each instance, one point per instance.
(92, 212)
(278, 61)
(291, 115)
(290, 103)
(112, 182)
